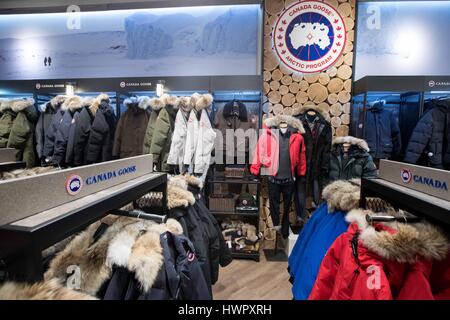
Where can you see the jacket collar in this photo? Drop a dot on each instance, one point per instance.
(322, 112)
(400, 242)
(229, 114)
(274, 123)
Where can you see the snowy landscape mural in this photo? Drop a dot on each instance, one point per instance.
(403, 38)
(195, 41)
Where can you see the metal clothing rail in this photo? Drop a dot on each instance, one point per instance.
(415, 202)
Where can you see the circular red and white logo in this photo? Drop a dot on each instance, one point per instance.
(309, 36)
(406, 175)
(74, 184)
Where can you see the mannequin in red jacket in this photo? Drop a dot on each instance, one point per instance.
(280, 154)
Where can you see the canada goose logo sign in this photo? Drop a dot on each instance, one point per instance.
(406, 175)
(74, 184)
(309, 36)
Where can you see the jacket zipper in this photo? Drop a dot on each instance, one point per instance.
(356, 272)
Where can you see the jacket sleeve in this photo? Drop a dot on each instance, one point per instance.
(302, 164)
(160, 135)
(20, 132)
(178, 141)
(96, 139)
(149, 134)
(39, 132)
(420, 138)
(396, 136)
(370, 169)
(49, 140)
(61, 139)
(118, 139)
(256, 162)
(80, 141)
(326, 153)
(70, 149)
(323, 287)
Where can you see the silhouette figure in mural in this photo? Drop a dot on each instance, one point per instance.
(49, 61)
(45, 61)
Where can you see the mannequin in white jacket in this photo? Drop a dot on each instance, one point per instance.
(200, 136)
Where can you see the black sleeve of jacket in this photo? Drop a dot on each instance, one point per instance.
(326, 152)
(96, 138)
(420, 138)
(81, 137)
(49, 141)
(118, 138)
(370, 169)
(396, 136)
(61, 140)
(70, 149)
(39, 133)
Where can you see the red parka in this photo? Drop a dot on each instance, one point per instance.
(381, 262)
(267, 150)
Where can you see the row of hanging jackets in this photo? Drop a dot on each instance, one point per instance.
(18, 119)
(74, 131)
(340, 256)
(124, 258)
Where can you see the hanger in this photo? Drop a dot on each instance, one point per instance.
(140, 215)
(372, 218)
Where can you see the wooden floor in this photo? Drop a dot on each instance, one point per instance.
(250, 280)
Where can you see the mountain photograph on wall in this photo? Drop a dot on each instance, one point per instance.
(194, 41)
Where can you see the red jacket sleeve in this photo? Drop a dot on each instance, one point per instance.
(323, 287)
(301, 168)
(256, 162)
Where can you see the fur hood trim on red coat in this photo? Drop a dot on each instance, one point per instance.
(360, 143)
(406, 244)
(274, 122)
(47, 290)
(342, 195)
(320, 108)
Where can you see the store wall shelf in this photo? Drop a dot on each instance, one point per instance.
(9, 166)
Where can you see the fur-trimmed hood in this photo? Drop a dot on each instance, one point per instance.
(185, 104)
(401, 242)
(57, 101)
(169, 100)
(302, 109)
(96, 103)
(128, 242)
(156, 104)
(360, 143)
(274, 122)
(47, 290)
(204, 101)
(18, 105)
(5, 104)
(342, 195)
(73, 103)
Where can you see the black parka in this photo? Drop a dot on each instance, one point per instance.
(357, 164)
(382, 132)
(430, 141)
(71, 106)
(101, 138)
(44, 124)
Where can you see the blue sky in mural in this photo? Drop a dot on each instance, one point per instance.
(213, 40)
(413, 38)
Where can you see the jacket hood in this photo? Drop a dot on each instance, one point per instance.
(400, 242)
(57, 101)
(360, 143)
(144, 102)
(156, 104)
(73, 103)
(204, 101)
(120, 245)
(274, 122)
(302, 109)
(169, 100)
(18, 105)
(5, 104)
(377, 106)
(185, 104)
(47, 290)
(96, 103)
(228, 110)
(342, 195)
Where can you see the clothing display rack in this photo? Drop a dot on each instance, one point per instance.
(416, 202)
(8, 160)
(23, 240)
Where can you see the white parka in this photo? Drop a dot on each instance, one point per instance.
(177, 148)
